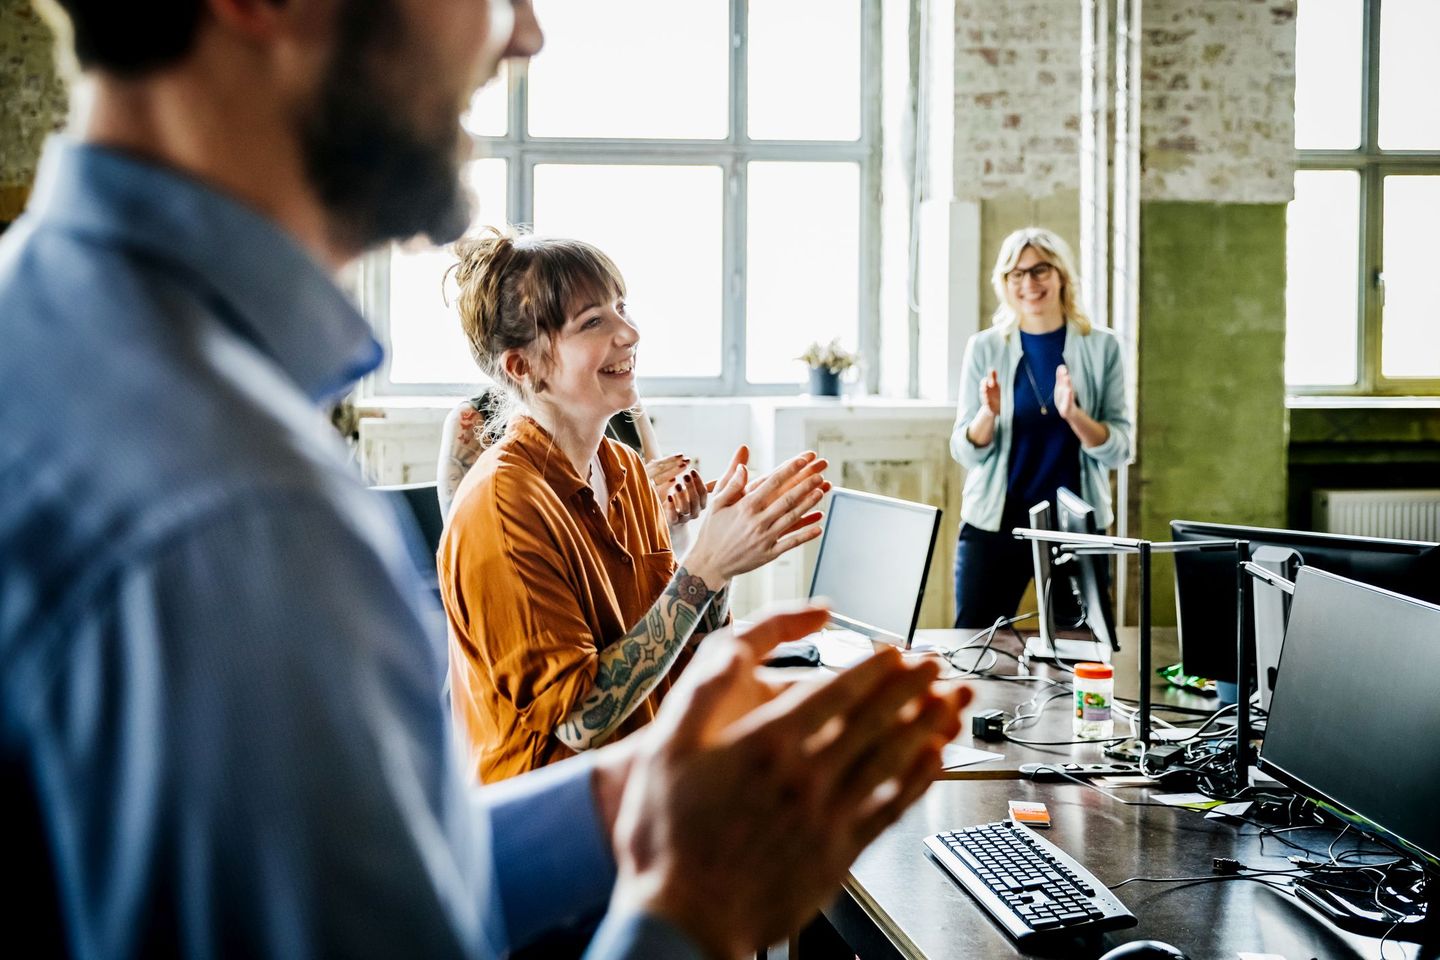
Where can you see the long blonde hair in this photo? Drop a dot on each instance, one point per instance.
(1055, 252)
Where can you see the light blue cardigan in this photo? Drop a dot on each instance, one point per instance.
(1099, 379)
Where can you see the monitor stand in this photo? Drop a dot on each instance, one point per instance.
(1067, 649)
(1355, 910)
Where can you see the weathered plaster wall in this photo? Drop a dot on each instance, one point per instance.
(1017, 97)
(1017, 120)
(1217, 100)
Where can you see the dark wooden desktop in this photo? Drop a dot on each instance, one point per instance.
(898, 903)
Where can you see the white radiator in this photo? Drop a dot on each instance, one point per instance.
(1403, 514)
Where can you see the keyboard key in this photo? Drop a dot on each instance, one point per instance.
(968, 857)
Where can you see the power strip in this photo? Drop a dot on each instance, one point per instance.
(1052, 772)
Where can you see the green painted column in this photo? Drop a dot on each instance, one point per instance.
(1211, 423)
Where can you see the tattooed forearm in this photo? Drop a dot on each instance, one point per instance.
(716, 614)
(464, 449)
(630, 669)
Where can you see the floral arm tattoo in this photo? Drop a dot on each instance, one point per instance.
(629, 669)
(463, 449)
(716, 614)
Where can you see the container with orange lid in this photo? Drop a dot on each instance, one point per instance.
(1094, 690)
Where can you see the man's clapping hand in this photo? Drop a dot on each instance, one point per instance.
(746, 800)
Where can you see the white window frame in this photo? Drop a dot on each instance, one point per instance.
(1373, 165)
(732, 154)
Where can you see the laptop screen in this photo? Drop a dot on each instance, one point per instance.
(873, 560)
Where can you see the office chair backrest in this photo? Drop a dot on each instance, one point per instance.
(419, 510)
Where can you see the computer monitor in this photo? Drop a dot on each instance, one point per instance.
(1205, 584)
(873, 561)
(1090, 573)
(1353, 722)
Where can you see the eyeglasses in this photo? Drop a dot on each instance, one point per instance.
(1041, 271)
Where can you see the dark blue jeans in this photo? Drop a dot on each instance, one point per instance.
(992, 571)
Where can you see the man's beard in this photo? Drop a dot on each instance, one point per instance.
(379, 177)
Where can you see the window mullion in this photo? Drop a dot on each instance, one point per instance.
(1370, 72)
(521, 170)
(734, 317)
(871, 215)
(1370, 204)
(1371, 254)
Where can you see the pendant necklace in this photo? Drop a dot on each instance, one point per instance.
(1044, 410)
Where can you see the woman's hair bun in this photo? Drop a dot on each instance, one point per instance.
(481, 266)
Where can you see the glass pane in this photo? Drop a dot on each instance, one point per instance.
(1410, 334)
(426, 344)
(632, 68)
(1322, 245)
(820, 101)
(1329, 40)
(802, 264)
(487, 115)
(663, 226)
(1409, 75)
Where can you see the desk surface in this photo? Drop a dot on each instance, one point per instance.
(898, 902)
(1054, 724)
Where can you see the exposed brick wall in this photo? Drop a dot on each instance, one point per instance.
(1217, 96)
(1017, 97)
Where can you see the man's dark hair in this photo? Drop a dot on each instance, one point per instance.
(131, 39)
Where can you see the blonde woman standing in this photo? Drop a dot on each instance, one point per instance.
(1042, 406)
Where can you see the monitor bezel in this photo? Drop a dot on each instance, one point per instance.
(1219, 662)
(1429, 860)
(1070, 504)
(859, 626)
(1236, 531)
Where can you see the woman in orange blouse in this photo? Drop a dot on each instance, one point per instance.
(567, 608)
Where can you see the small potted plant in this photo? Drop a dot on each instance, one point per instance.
(827, 361)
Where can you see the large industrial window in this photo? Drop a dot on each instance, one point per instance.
(1363, 316)
(724, 153)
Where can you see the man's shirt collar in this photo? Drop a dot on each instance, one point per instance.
(263, 282)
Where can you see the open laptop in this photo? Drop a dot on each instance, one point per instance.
(873, 561)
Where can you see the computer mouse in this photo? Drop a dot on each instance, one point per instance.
(794, 653)
(1145, 950)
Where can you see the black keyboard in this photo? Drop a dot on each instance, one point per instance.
(1026, 882)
